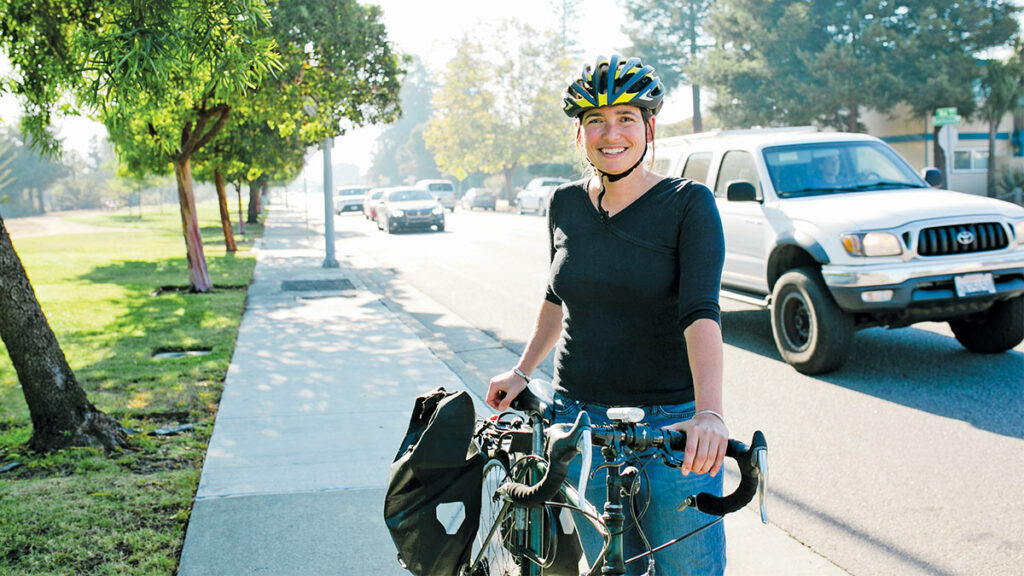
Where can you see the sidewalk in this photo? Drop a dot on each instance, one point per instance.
(326, 368)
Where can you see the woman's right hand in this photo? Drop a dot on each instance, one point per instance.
(503, 389)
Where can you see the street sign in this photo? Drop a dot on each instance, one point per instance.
(460, 174)
(946, 116)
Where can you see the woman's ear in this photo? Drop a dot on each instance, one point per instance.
(650, 129)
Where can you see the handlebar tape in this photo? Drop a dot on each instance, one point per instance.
(746, 458)
(562, 440)
(536, 495)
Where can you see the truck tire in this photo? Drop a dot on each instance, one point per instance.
(998, 329)
(811, 332)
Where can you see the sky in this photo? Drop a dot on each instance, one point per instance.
(430, 30)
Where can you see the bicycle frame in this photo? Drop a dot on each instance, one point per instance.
(524, 525)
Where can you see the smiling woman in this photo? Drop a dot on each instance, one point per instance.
(632, 297)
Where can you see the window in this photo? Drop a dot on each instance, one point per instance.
(970, 160)
(697, 166)
(737, 166)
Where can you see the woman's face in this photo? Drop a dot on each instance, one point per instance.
(613, 137)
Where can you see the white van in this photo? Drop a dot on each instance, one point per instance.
(443, 190)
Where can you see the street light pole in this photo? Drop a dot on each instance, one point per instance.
(329, 260)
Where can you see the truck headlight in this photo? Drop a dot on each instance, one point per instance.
(872, 244)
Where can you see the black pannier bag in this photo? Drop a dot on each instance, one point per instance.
(432, 506)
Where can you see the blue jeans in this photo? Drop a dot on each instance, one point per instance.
(700, 555)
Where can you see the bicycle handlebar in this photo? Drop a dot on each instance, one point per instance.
(563, 446)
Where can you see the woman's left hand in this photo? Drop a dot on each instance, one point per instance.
(706, 440)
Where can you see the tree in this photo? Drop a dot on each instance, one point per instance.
(341, 70)
(669, 35)
(941, 66)
(61, 413)
(793, 63)
(1002, 87)
(401, 152)
(498, 122)
(161, 76)
(25, 175)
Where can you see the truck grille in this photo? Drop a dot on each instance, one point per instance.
(962, 239)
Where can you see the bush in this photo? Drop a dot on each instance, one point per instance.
(1008, 180)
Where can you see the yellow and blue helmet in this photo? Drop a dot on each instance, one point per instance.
(613, 81)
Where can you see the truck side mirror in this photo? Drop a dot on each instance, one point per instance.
(932, 176)
(740, 191)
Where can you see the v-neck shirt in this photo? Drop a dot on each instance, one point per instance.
(629, 287)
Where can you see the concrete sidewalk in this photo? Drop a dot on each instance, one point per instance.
(326, 368)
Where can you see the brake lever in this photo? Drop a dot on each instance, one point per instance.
(586, 448)
(761, 461)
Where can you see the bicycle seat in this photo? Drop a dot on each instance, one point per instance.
(536, 399)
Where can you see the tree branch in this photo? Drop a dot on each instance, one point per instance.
(200, 139)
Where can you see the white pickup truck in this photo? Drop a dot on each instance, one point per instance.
(834, 232)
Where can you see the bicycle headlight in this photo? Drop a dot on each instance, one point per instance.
(872, 244)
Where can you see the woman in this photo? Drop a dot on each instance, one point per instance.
(632, 305)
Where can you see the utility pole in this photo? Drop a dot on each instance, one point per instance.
(329, 260)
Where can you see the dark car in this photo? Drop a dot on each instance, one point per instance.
(479, 198)
(402, 208)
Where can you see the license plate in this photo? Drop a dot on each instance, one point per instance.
(973, 284)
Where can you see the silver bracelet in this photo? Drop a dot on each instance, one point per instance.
(521, 374)
(713, 413)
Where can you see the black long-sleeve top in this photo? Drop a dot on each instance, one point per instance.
(629, 288)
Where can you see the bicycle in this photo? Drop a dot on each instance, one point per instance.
(525, 488)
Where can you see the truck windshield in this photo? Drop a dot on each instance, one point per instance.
(836, 167)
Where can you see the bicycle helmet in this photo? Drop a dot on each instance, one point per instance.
(613, 81)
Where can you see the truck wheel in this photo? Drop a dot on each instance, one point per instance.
(811, 332)
(998, 329)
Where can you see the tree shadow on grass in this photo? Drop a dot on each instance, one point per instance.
(128, 378)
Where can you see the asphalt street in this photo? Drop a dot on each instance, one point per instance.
(887, 466)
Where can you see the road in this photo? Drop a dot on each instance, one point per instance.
(906, 461)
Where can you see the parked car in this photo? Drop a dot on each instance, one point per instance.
(402, 208)
(370, 202)
(349, 198)
(443, 190)
(479, 198)
(834, 232)
(534, 198)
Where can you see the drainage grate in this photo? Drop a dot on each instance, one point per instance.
(326, 285)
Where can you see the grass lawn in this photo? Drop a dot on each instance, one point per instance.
(114, 298)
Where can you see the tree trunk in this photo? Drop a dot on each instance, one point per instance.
(990, 175)
(198, 275)
(61, 413)
(225, 214)
(241, 218)
(509, 173)
(698, 121)
(254, 202)
(940, 156)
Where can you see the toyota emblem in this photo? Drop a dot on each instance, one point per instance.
(966, 237)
